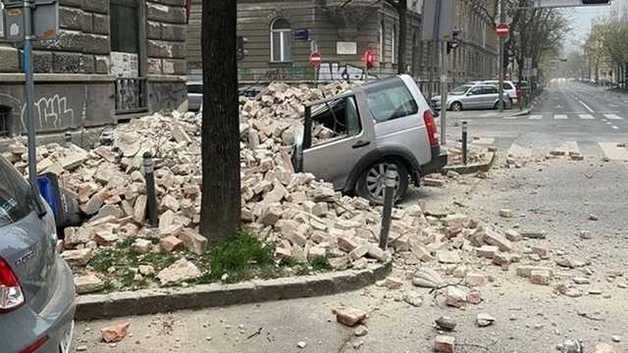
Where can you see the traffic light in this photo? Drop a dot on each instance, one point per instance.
(509, 53)
(369, 59)
(240, 50)
(455, 41)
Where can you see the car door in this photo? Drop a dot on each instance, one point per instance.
(490, 95)
(473, 98)
(341, 136)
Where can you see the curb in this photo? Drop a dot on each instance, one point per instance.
(473, 167)
(522, 113)
(153, 301)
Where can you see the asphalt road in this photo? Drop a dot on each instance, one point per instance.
(570, 113)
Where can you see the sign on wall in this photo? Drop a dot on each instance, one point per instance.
(302, 34)
(346, 48)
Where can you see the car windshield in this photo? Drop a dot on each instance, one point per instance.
(15, 195)
(461, 89)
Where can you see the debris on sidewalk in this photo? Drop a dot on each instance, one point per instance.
(445, 323)
(444, 344)
(349, 316)
(484, 320)
(115, 333)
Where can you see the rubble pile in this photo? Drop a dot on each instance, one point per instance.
(303, 217)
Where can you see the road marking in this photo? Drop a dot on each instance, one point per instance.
(511, 117)
(585, 106)
(612, 152)
(561, 117)
(586, 116)
(535, 117)
(614, 127)
(613, 117)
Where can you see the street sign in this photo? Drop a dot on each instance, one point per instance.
(14, 25)
(46, 20)
(346, 48)
(302, 34)
(315, 59)
(502, 30)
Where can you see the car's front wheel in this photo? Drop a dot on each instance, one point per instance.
(372, 182)
(456, 106)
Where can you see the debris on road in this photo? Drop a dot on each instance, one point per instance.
(301, 344)
(115, 333)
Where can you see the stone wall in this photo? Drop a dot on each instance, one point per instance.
(165, 34)
(74, 85)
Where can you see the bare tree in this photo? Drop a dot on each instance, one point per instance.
(220, 204)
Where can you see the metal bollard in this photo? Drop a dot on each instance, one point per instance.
(464, 142)
(67, 138)
(151, 195)
(389, 196)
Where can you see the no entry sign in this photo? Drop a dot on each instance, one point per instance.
(315, 59)
(502, 30)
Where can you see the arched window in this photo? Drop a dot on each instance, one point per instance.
(280, 41)
(382, 37)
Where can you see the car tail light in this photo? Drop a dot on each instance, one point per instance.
(34, 347)
(11, 295)
(430, 125)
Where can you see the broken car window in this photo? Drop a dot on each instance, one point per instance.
(335, 119)
(390, 101)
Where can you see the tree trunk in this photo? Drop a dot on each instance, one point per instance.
(220, 204)
(402, 10)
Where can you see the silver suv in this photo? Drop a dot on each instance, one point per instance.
(351, 140)
(472, 96)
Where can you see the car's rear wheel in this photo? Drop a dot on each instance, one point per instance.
(456, 106)
(372, 182)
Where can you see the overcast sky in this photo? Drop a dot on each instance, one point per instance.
(580, 19)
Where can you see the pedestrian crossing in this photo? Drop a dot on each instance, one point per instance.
(570, 150)
(569, 116)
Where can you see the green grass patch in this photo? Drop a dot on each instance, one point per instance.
(239, 256)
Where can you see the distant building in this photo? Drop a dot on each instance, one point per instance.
(619, 10)
(281, 35)
(113, 60)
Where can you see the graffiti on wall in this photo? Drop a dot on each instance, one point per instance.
(328, 71)
(50, 112)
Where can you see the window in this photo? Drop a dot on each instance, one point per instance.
(335, 119)
(489, 90)
(393, 46)
(16, 197)
(280, 41)
(476, 91)
(382, 38)
(389, 100)
(124, 26)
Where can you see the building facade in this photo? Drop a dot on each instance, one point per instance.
(281, 35)
(112, 60)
